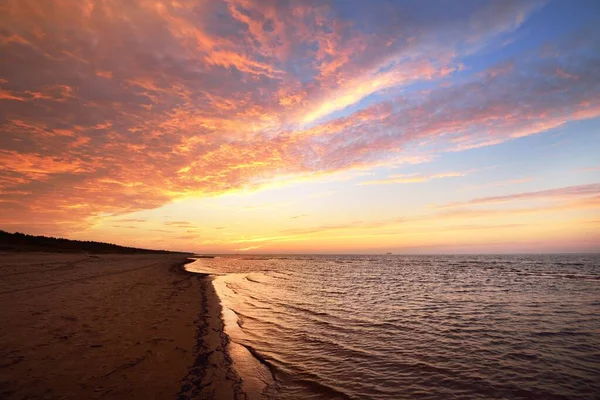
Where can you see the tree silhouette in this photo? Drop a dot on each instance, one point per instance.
(23, 242)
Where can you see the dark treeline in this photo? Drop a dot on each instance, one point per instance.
(23, 242)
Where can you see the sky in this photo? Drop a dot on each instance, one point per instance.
(281, 126)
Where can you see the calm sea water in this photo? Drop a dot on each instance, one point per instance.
(404, 327)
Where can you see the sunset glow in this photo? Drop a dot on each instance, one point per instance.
(303, 127)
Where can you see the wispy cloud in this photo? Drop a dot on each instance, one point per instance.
(566, 193)
(508, 182)
(248, 248)
(588, 169)
(179, 224)
(260, 239)
(412, 178)
(130, 220)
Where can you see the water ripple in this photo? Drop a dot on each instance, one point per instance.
(403, 327)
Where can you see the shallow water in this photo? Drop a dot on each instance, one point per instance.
(394, 327)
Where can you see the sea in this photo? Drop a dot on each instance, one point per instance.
(411, 326)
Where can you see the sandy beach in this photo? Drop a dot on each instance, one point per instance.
(77, 326)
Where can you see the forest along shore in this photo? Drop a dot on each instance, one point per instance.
(122, 326)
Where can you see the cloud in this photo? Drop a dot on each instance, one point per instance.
(178, 224)
(354, 225)
(248, 248)
(566, 193)
(118, 106)
(588, 169)
(412, 178)
(479, 227)
(298, 216)
(508, 182)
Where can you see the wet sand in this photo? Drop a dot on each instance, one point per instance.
(77, 326)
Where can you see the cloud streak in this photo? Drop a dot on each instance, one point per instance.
(566, 193)
(412, 178)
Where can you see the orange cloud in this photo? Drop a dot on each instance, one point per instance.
(6, 95)
(105, 74)
(31, 164)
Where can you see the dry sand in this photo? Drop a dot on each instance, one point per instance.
(79, 326)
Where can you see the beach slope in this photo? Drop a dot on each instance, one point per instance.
(112, 325)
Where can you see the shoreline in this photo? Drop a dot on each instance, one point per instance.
(212, 374)
(110, 325)
(255, 376)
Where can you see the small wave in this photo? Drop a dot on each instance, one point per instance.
(311, 381)
(253, 280)
(561, 333)
(261, 360)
